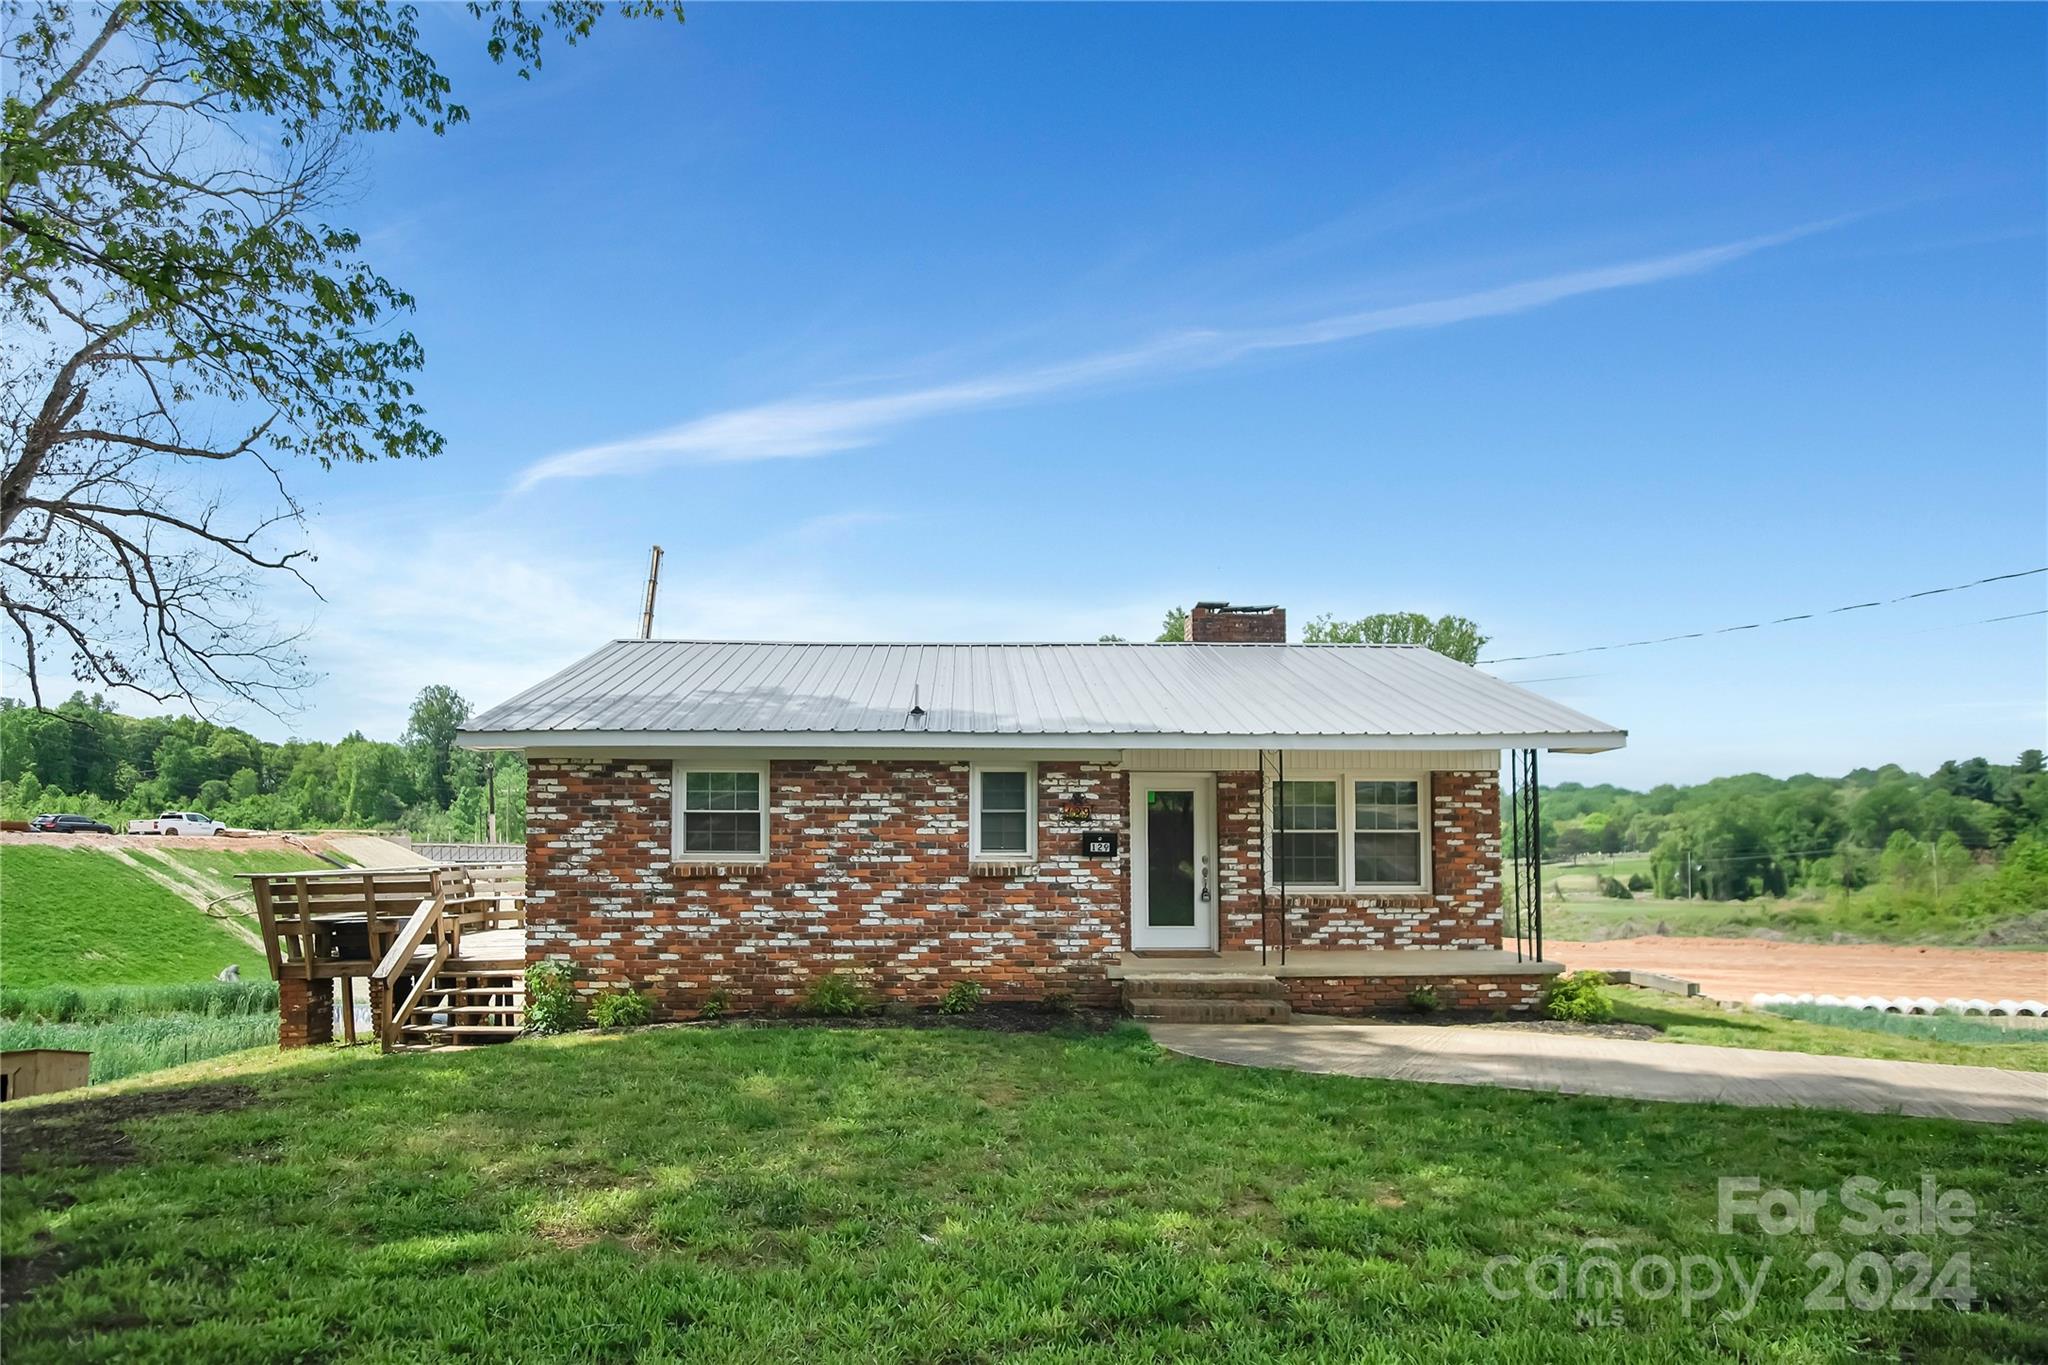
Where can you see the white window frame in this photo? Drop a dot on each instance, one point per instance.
(1002, 855)
(677, 815)
(1347, 829)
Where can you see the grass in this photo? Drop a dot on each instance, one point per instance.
(132, 1030)
(1695, 1020)
(78, 916)
(1940, 1028)
(944, 1195)
(110, 1004)
(135, 1047)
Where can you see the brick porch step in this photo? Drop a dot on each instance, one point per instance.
(1202, 986)
(1224, 1011)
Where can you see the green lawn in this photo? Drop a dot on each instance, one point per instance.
(80, 917)
(815, 1194)
(1698, 1020)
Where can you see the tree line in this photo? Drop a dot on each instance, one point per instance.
(85, 757)
(1737, 838)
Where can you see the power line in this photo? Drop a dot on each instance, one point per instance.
(1781, 620)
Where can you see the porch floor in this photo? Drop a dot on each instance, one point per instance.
(1335, 962)
(489, 945)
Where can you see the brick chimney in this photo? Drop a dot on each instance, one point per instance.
(1219, 623)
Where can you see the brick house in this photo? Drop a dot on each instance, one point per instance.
(1234, 818)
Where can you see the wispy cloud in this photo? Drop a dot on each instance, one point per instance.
(796, 428)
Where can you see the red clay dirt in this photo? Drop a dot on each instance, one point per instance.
(1737, 968)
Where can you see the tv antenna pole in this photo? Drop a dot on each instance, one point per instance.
(653, 582)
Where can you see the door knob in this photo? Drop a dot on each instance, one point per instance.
(1205, 876)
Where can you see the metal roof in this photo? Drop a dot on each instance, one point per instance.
(700, 692)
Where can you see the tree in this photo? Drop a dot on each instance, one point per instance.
(437, 714)
(176, 307)
(1455, 637)
(1174, 629)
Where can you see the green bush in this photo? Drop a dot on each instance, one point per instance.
(1580, 998)
(620, 1009)
(551, 1005)
(1615, 890)
(835, 995)
(715, 1005)
(1638, 882)
(962, 997)
(1424, 1000)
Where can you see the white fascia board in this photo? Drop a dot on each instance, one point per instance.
(814, 741)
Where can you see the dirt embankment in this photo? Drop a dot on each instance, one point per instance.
(315, 844)
(1735, 969)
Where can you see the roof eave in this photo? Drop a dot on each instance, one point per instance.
(1571, 742)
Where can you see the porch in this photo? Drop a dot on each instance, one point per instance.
(439, 953)
(1254, 987)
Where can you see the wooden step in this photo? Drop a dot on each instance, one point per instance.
(468, 1009)
(483, 966)
(512, 991)
(465, 1030)
(1174, 1010)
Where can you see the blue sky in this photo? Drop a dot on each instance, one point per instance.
(948, 323)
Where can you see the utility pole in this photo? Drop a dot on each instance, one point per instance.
(653, 581)
(1688, 868)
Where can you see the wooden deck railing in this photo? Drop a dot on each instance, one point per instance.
(397, 928)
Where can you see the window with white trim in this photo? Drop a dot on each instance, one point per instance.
(721, 813)
(1004, 812)
(1386, 832)
(1309, 843)
(1350, 833)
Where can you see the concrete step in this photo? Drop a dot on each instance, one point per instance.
(1183, 1011)
(1203, 986)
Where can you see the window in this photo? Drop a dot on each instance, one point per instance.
(1308, 842)
(1377, 819)
(1003, 811)
(722, 813)
(1386, 833)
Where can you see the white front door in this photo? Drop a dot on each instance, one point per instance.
(1173, 860)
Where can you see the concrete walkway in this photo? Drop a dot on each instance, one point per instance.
(1526, 1059)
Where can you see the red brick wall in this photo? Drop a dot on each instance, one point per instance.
(868, 874)
(1389, 994)
(305, 1011)
(1460, 910)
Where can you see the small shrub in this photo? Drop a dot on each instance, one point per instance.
(835, 995)
(1424, 1000)
(1580, 998)
(1638, 882)
(551, 1005)
(1060, 1002)
(715, 1005)
(620, 1009)
(962, 997)
(1615, 890)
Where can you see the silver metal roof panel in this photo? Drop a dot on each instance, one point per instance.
(701, 692)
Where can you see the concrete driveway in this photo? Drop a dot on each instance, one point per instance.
(1527, 1059)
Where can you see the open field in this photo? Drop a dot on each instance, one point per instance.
(1697, 1020)
(933, 1195)
(77, 916)
(1736, 969)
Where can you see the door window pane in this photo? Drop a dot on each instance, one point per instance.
(1170, 859)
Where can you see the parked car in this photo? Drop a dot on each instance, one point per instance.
(178, 822)
(69, 824)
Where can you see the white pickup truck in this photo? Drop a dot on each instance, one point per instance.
(178, 822)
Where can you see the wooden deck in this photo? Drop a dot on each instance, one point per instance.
(440, 952)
